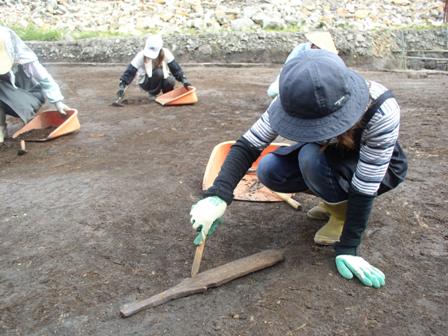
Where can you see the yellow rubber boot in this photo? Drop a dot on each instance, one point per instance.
(331, 231)
(318, 212)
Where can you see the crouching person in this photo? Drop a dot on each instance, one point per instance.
(346, 152)
(155, 67)
(24, 82)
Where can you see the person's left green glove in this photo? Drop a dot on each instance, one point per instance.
(369, 275)
(206, 216)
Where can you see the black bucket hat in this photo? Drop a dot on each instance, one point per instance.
(320, 98)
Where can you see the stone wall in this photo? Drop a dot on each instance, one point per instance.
(169, 16)
(377, 49)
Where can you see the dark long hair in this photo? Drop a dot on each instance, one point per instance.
(158, 60)
(347, 139)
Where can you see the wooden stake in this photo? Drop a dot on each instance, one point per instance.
(197, 259)
(212, 278)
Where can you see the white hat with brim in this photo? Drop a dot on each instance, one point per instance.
(153, 45)
(323, 40)
(5, 59)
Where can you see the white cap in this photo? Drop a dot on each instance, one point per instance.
(5, 59)
(323, 40)
(153, 45)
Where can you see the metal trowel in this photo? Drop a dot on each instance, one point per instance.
(118, 102)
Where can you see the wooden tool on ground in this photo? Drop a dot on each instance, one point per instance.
(22, 149)
(212, 278)
(288, 199)
(197, 259)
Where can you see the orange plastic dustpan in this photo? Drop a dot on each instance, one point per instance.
(64, 124)
(249, 188)
(179, 96)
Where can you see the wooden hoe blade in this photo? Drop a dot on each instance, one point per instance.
(212, 278)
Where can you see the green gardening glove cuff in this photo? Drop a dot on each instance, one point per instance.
(198, 238)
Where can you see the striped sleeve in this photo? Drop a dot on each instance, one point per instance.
(261, 134)
(377, 145)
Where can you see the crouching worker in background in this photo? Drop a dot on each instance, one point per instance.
(154, 66)
(24, 82)
(346, 153)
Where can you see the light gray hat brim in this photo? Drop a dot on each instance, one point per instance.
(321, 129)
(151, 54)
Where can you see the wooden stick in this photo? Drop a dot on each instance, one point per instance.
(288, 199)
(22, 149)
(212, 278)
(197, 259)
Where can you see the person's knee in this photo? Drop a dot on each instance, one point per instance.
(157, 74)
(168, 84)
(309, 157)
(266, 171)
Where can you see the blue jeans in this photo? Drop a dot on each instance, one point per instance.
(299, 171)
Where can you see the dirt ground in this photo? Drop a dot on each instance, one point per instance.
(97, 219)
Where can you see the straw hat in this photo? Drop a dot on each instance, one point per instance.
(322, 39)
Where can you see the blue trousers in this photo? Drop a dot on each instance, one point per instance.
(299, 171)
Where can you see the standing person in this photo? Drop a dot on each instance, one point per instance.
(346, 129)
(24, 82)
(154, 66)
(316, 40)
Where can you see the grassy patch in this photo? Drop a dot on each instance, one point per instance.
(96, 34)
(422, 27)
(291, 28)
(34, 33)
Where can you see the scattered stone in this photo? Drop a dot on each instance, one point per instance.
(242, 24)
(216, 14)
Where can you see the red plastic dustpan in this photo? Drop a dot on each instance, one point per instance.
(63, 124)
(249, 188)
(179, 96)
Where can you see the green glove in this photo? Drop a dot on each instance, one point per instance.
(206, 216)
(349, 265)
(198, 239)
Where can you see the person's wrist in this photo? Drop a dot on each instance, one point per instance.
(345, 250)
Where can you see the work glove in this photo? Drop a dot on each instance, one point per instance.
(121, 89)
(206, 216)
(186, 83)
(349, 265)
(61, 107)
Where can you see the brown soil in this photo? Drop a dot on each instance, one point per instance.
(36, 134)
(97, 219)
